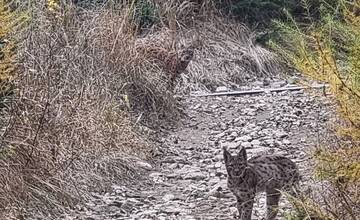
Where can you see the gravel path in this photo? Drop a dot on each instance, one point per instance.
(189, 180)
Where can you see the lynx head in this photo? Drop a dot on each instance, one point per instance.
(235, 165)
(187, 50)
(186, 54)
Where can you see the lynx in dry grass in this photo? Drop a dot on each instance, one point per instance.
(173, 61)
(267, 173)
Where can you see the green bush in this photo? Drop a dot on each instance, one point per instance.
(327, 50)
(10, 22)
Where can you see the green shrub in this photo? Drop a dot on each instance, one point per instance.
(328, 51)
(10, 22)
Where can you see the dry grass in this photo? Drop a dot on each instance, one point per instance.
(229, 56)
(68, 132)
(226, 52)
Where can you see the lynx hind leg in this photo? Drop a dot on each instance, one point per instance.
(292, 184)
(245, 206)
(272, 203)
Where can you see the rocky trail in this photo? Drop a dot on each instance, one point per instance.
(188, 179)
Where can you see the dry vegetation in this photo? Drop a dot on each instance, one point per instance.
(226, 53)
(68, 131)
(229, 56)
(80, 81)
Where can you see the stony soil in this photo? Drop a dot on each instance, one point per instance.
(188, 179)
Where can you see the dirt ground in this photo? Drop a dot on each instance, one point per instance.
(187, 180)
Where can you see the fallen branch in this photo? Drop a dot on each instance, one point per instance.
(258, 91)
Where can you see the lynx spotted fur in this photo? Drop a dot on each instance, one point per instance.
(174, 62)
(265, 173)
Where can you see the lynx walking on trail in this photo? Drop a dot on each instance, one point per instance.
(267, 173)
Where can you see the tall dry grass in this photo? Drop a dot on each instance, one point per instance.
(68, 131)
(226, 52)
(229, 56)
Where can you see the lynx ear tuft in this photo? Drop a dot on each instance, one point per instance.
(242, 154)
(227, 155)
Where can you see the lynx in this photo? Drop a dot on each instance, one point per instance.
(265, 173)
(174, 62)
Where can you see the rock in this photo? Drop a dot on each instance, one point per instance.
(215, 132)
(224, 127)
(222, 89)
(144, 165)
(281, 134)
(220, 173)
(173, 176)
(195, 176)
(218, 190)
(278, 84)
(246, 145)
(230, 145)
(132, 200)
(293, 80)
(218, 164)
(155, 175)
(148, 213)
(174, 166)
(171, 209)
(218, 157)
(250, 111)
(239, 121)
(266, 81)
(255, 143)
(220, 135)
(196, 106)
(168, 197)
(233, 134)
(286, 142)
(233, 211)
(214, 106)
(192, 205)
(257, 83)
(230, 138)
(245, 138)
(188, 217)
(269, 142)
(258, 151)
